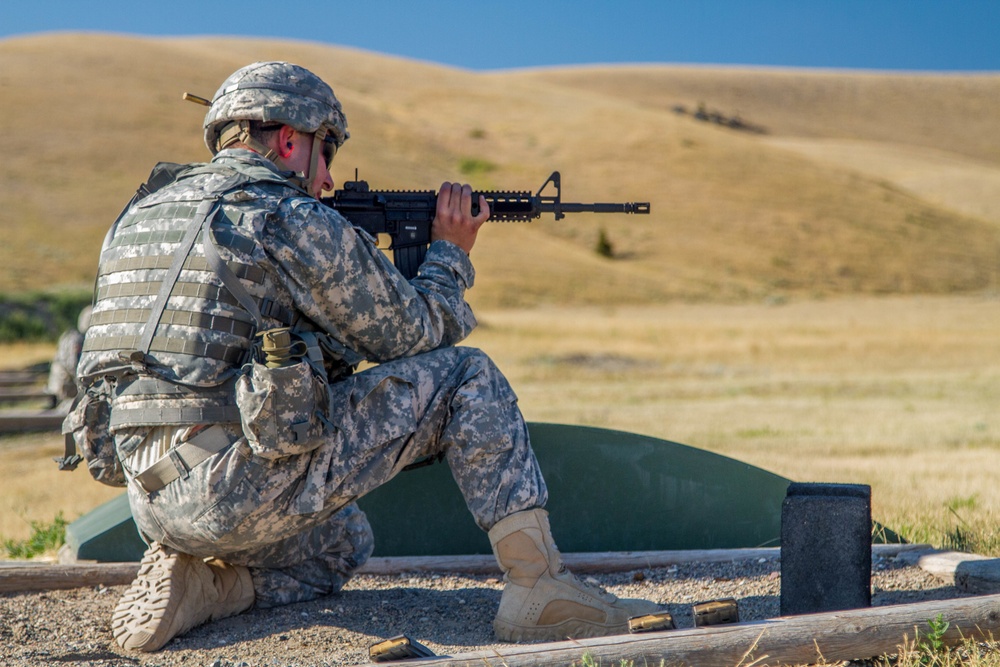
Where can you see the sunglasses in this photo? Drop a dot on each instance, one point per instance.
(329, 149)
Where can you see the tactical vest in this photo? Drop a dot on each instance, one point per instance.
(180, 297)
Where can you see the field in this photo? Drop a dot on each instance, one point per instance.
(820, 299)
(897, 392)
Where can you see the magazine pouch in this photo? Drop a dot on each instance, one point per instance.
(283, 398)
(88, 428)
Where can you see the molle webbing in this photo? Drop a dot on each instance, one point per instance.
(242, 326)
(249, 272)
(231, 355)
(147, 386)
(267, 306)
(203, 215)
(223, 238)
(186, 289)
(161, 415)
(186, 318)
(229, 279)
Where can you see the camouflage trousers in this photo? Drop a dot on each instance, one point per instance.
(293, 519)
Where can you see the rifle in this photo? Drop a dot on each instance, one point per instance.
(406, 216)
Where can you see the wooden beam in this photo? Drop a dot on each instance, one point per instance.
(14, 421)
(22, 394)
(19, 378)
(970, 572)
(27, 576)
(595, 562)
(791, 640)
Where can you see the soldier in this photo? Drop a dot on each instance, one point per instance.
(244, 454)
(61, 383)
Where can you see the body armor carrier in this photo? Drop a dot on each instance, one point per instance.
(173, 321)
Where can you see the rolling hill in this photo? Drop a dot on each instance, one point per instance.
(855, 184)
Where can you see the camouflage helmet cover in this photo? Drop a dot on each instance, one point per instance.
(277, 92)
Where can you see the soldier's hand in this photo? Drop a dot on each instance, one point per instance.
(453, 220)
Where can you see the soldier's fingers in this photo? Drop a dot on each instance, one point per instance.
(466, 200)
(484, 211)
(444, 199)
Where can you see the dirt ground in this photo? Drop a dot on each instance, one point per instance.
(450, 614)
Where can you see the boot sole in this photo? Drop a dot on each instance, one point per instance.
(143, 618)
(570, 629)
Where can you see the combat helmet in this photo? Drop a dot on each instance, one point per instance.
(279, 93)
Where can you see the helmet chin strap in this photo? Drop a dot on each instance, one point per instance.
(314, 167)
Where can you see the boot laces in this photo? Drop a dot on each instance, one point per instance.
(594, 589)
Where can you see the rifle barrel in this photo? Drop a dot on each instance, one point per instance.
(527, 208)
(626, 207)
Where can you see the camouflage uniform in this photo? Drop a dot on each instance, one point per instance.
(291, 516)
(61, 383)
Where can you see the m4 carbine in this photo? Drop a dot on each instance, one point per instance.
(406, 216)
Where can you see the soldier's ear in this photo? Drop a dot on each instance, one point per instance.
(285, 144)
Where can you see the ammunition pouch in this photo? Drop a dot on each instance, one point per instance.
(87, 429)
(283, 400)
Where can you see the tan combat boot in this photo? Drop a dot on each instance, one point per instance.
(173, 593)
(542, 600)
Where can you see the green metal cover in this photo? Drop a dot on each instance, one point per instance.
(106, 534)
(608, 491)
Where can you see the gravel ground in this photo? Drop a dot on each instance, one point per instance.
(449, 614)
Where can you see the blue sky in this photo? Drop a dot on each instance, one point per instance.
(944, 35)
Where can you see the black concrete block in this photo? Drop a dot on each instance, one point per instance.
(826, 553)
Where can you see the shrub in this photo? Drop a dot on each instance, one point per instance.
(44, 537)
(604, 247)
(40, 315)
(471, 166)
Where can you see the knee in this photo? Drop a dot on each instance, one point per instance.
(479, 369)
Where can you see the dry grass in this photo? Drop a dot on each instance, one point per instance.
(734, 217)
(866, 186)
(34, 489)
(899, 393)
(939, 111)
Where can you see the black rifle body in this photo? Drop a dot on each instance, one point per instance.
(406, 216)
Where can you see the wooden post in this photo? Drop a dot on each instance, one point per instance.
(790, 640)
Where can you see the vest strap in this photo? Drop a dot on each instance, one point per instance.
(179, 461)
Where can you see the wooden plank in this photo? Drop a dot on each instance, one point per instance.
(969, 572)
(24, 577)
(611, 561)
(791, 640)
(13, 421)
(13, 395)
(20, 378)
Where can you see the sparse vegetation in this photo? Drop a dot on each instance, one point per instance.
(45, 538)
(931, 643)
(475, 167)
(603, 246)
(39, 315)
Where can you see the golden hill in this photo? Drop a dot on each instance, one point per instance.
(825, 202)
